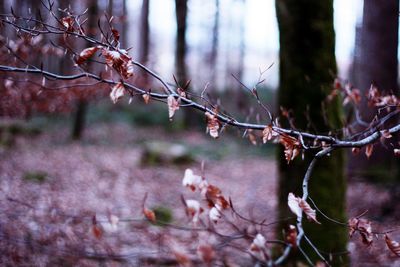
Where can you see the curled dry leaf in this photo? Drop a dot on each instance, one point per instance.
(353, 226)
(214, 195)
(355, 150)
(396, 152)
(365, 229)
(117, 92)
(120, 61)
(68, 23)
(173, 105)
(363, 226)
(291, 235)
(86, 54)
(293, 203)
(394, 246)
(310, 213)
(212, 125)
(215, 214)
(258, 242)
(292, 146)
(115, 34)
(149, 214)
(352, 95)
(257, 247)
(191, 180)
(337, 84)
(206, 253)
(368, 150)
(193, 210)
(298, 205)
(96, 229)
(146, 98)
(268, 134)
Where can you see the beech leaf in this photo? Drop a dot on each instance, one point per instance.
(293, 203)
(368, 150)
(212, 125)
(173, 105)
(297, 205)
(149, 214)
(394, 246)
(86, 54)
(117, 92)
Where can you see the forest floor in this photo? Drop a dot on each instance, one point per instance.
(51, 187)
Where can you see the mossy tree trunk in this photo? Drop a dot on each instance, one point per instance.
(307, 69)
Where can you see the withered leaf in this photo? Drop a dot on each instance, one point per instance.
(117, 92)
(212, 125)
(394, 246)
(149, 214)
(173, 105)
(86, 54)
(368, 150)
(146, 98)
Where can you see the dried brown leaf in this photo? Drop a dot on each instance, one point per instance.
(355, 150)
(149, 214)
(213, 125)
(365, 229)
(120, 61)
(68, 23)
(368, 150)
(86, 54)
(117, 92)
(173, 105)
(293, 203)
(146, 98)
(353, 226)
(394, 246)
(291, 235)
(268, 133)
(310, 213)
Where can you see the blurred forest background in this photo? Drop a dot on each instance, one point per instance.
(72, 153)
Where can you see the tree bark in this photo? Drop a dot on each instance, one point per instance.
(376, 63)
(214, 45)
(189, 118)
(144, 40)
(307, 66)
(81, 109)
(180, 52)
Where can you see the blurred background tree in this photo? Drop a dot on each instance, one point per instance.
(376, 62)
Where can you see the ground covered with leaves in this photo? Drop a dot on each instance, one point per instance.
(80, 203)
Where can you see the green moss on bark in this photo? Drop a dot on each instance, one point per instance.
(307, 69)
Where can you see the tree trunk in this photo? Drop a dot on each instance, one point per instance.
(81, 109)
(307, 66)
(144, 40)
(377, 63)
(189, 118)
(214, 46)
(180, 52)
(241, 94)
